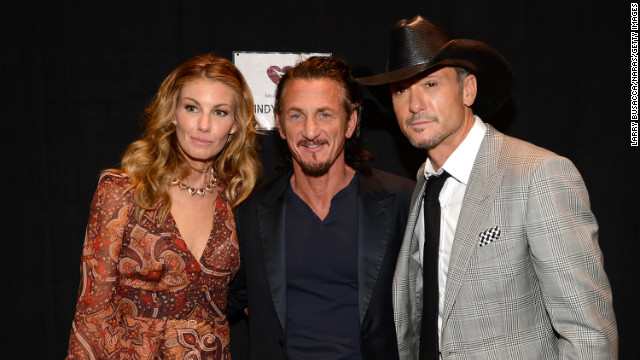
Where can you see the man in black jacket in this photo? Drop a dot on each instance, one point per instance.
(319, 244)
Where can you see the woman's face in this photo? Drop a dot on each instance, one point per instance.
(204, 120)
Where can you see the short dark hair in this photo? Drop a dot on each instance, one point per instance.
(462, 74)
(336, 69)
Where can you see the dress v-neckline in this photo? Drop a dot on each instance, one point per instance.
(178, 234)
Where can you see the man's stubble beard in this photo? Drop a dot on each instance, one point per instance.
(430, 142)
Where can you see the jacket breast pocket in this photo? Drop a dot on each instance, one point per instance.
(500, 249)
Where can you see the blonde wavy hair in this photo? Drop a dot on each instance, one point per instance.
(153, 161)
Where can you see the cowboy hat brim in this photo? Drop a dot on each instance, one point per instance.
(494, 74)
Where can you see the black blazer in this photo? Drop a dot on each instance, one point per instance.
(384, 207)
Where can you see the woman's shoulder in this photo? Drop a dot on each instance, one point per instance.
(113, 179)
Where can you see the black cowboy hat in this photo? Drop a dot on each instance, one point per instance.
(419, 46)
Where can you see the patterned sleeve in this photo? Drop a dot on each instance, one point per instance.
(563, 235)
(103, 239)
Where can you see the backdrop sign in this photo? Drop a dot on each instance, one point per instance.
(263, 71)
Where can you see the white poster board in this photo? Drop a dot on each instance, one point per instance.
(263, 71)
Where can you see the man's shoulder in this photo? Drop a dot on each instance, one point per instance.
(515, 150)
(392, 182)
(268, 191)
(523, 156)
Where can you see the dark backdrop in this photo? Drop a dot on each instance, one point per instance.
(76, 75)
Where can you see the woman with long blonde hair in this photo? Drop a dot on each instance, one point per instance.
(161, 247)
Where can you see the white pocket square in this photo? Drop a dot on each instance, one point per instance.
(490, 235)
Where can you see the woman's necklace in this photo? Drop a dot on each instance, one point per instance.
(191, 190)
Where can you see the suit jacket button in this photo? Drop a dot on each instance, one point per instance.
(281, 342)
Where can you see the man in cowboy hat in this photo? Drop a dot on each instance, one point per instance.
(511, 267)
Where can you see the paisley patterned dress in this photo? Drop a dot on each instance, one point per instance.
(142, 293)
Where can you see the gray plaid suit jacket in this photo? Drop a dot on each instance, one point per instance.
(537, 290)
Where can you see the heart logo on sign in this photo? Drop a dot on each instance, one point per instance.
(275, 73)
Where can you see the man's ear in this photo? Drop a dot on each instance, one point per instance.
(353, 122)
(469, 89)
(279, 126)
